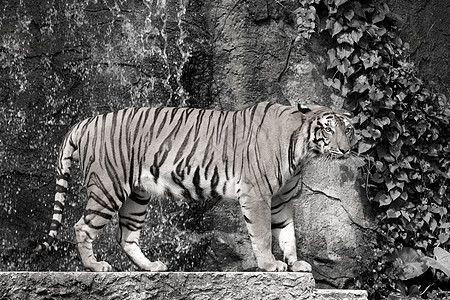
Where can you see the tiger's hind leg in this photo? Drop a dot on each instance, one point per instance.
(283, 231)
(97, 214)
(131, 220)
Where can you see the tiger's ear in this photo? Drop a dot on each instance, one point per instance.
(303, 109)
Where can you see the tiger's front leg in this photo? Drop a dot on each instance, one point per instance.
(256, 211)
(283, 230)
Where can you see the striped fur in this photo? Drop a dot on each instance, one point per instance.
(254, 155)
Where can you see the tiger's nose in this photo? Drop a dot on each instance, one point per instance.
(344, 150)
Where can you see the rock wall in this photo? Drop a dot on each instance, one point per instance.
(425, 27)
(67, 60)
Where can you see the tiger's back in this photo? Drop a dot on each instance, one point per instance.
(131, 155)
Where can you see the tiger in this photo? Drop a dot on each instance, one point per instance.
(254, 156)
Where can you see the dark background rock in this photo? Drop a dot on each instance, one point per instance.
(63, 61)
(426, 27)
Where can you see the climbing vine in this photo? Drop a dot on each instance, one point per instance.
(404, 137)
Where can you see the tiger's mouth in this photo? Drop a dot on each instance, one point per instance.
(337, 154)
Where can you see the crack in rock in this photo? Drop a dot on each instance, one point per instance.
(352, 219)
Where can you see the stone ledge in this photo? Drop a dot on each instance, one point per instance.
(170, 285)
(321, 294)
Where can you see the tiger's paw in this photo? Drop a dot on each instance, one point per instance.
(101, 266)
(158, 266)
(300, 266)
(154, 266)
(275, 266)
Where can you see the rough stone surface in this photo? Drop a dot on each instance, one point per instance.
(322, 294)
(334, 221)
(172, 285)
(425, 27)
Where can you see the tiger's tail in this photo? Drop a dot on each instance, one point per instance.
(67, 154)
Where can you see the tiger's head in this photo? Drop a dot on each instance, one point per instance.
(330, 134)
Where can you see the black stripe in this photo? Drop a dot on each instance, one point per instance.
(279, 225)
(208, 165)
(173, 113)
(182, 147)
(268, 183)
(55, 225)
(115, 178)
(247, 220)
(290, 190)
(135, 198)
(130, 226)
(99, 183)
(154, 170)
(161, 124)
(266, 109)
(198, 123)
(123, 218)
(139, 214)
(215, 179)
(180, 170)
(50, 240)
(112, 134)
(279, 172)
(86, 138)
(58, 204)
(279, 205)
(196, 182)
(64, 176)
(60, 189)
(97, 213)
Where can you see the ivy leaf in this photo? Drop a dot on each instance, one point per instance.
(378, 17)
(345, 67)
(382, 199)
(396, 149)
(410, 262)
(376, 95)
(442, 261)
(333, 60)
(344, 51)
(357, 8)
(337, 27)
(433, 225)
(443, 237)
(402, 176)
(363, 147)
(381, 122)
(390, 184)
(339, 2)
(356, 35)
(349, 14)
(389, 103)
(394, 193)
(393, 135)
(361, 84)
(345, 37)
(377, 177)
(392, 214)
